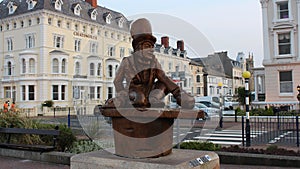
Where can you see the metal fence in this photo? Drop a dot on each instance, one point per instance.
(280, 130)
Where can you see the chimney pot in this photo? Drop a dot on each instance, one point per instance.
(165, 41)
(93, 3)
(180, 45)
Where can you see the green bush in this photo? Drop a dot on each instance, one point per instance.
(48, 103)
(196, 145)
(65, 139)
(84, 146)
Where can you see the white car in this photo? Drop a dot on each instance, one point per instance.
(209, 111)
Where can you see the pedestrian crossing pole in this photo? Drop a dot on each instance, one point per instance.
(247, 75)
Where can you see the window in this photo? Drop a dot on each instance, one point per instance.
(1, 28)
(38, 20)
(77, 45)
(170, 66)
(30, 5)
(98, 92)
(110, 70)
(11, 7)
(23, 91)
(108, 18)
(9, 68)
(29, 22)
(23, 66)
(58, 5)
(55, 65)
(198, 90)
(122, 52)
(92, 30)
(30, 41)
(121, 21)
(283, 10)
(63, 92)
(198, 79)
(55, 92)
(284, 43)
(9, 44)
(94, 14)
(59, 23)
(58, 41)
(111, 51)
(77, 68)
(15, 25)
(76, 27)
(22, 24)
(286, 82)
(92, 92)
(31, 92)
(49, 21)
(7, 26)
(83, 29)
(112, 35)
(99, 69)
(68, 25)
(77, 10)
(63, 66)
(92, 69)
(105, 33)
(99, 32)
(110, 92)
(94, 47)
(31, 65)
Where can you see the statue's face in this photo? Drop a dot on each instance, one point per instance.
(146, 49)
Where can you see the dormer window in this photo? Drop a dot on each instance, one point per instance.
(94, 14)
(77, 10)
(108, 18)
(58, 4)
(11, 7)
(121, 22)
(31, 4)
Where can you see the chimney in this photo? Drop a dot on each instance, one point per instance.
(180, 45)
(93, 3)
(165, 41)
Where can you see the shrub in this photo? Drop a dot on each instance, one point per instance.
(84, 146)
(65, 139)
(196, 145)
(48, 103)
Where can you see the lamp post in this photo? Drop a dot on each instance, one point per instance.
(298, 96)
(247, 75)
(220, 84)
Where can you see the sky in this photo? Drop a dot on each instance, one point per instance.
(229, 25)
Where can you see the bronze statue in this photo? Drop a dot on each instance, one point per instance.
(146, 83)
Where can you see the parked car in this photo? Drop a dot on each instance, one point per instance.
(209, 111)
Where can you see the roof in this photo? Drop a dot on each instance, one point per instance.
(67, 9)
(218, 64)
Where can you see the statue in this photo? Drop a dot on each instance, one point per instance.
(146, 83)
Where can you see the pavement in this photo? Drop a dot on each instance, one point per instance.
(16, 163)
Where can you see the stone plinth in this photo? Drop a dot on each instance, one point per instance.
(178, 159)
(142, 133)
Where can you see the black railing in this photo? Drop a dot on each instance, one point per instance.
(280, 130)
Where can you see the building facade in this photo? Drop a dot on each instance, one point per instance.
(65, 51)
(281, 41)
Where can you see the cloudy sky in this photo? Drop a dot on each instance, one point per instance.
(231, 25)
(228, 25)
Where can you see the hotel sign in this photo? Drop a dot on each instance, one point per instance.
(84, 35)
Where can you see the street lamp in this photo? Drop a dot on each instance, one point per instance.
(247, 75)
(220, 84)
(298, 96)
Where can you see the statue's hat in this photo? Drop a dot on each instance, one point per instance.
(141, 30)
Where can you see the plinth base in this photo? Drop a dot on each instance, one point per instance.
(178, 159)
